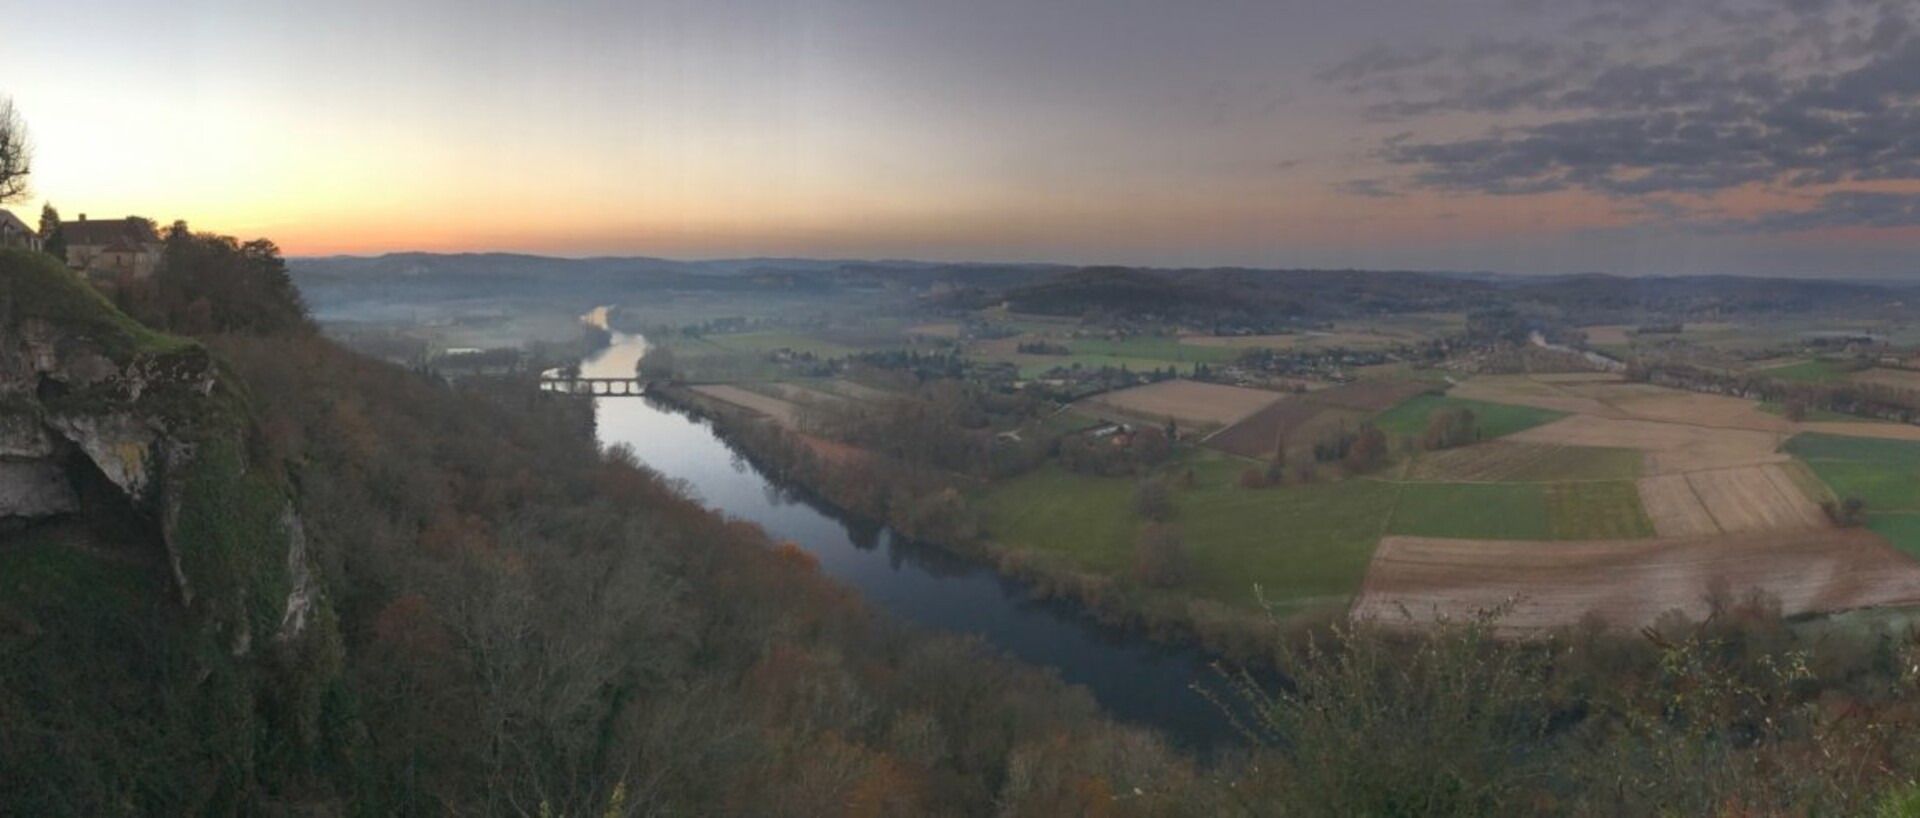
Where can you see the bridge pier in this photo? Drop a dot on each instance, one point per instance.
(597, 387)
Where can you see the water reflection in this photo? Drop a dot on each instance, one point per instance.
(1133, 679)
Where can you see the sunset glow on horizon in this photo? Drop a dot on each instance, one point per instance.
(1508, 136)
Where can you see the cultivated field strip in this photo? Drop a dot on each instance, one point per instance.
(1673, 507)
(1369, 396)
(1192, 402)
(1500, 461)
(1758, 498)
(1628, 583)
(1258, 435)
(1731, 501)
(1672, 448)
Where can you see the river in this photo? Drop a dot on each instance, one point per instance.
(1134, 679)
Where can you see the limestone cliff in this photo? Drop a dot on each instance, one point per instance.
(96, 410)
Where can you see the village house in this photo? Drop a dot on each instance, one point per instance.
(113, 247)
(16, 233)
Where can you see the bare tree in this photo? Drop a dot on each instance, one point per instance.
(16, 156)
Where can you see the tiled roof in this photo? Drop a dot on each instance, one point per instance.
(107, 231)
(10, 223)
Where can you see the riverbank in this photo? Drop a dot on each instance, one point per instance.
(932, 508)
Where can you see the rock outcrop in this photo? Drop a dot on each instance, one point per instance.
(90, 397)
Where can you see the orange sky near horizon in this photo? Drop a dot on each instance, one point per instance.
(1069, 131)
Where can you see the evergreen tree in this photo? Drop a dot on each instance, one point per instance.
(53, 238)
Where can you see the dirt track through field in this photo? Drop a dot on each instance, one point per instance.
(1629, 583)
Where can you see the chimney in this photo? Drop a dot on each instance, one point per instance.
(83, 217)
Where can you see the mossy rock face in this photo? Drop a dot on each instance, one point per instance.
(209, 559)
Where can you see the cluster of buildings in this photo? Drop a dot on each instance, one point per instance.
(107, 249)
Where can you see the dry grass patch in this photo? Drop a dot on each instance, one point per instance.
(1649, 402)
(1629, 583)
(1756, 498)
(1671, 448)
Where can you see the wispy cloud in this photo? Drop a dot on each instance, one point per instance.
(1718, 95)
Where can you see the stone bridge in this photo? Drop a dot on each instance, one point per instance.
(598, 387)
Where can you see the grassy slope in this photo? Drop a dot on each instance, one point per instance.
(1496, 419)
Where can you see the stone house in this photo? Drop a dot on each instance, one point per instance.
(114, 247)
(16, 233)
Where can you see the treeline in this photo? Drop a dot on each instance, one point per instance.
(1863, 399)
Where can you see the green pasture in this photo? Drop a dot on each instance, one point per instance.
(1885, 474)
(1495, 419)
(1806, 371)
(1303, 544)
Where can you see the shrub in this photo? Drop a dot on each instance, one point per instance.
(1160, 556)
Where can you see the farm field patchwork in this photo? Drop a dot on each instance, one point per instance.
(1504, 511)
(1671, 448)
(1755, 498)
(1525, 390)
(1260, 434)
(1369, 396)
(1674, 508)
(1884, 474)
(1505, 461)
(1411, 417)
(1191, 402)
(1303, 544)
(1648, 402)
(1628, 583)
(1520, 511)
(1595, 510)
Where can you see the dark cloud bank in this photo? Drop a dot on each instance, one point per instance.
(1671, 101)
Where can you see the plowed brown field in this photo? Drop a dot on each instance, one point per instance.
(1260, 434)
(1628, 583)
(1192, 402)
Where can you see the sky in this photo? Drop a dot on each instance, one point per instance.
(1775, 137)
